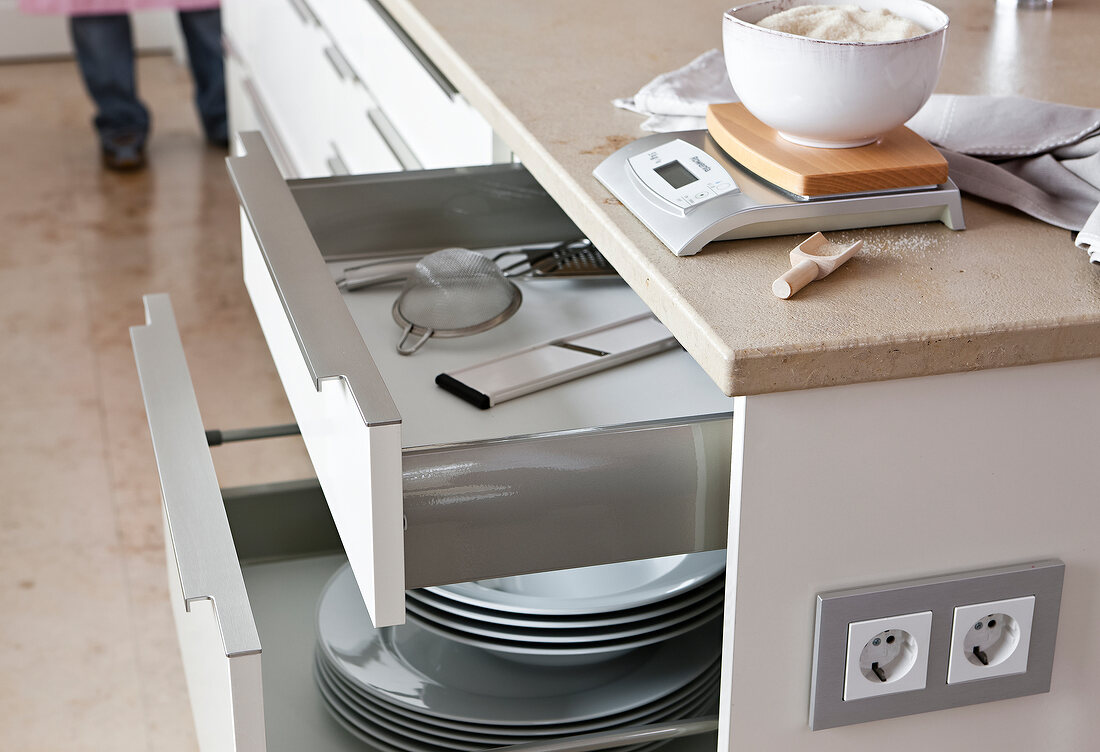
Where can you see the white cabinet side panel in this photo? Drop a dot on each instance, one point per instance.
(737, 457)
(857, 485)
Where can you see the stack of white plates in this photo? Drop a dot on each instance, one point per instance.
(650, 652)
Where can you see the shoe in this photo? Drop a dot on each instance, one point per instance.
(218, 135)
(123, 152)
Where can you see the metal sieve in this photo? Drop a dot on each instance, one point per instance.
(453, 293)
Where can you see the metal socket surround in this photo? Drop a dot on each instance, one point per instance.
(941, 595)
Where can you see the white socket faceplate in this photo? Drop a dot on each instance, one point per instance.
(857, 686)
(960, 669)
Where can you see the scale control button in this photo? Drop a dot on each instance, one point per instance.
(722, 185)
(702, 195)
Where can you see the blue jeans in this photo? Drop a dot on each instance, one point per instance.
(105, 53)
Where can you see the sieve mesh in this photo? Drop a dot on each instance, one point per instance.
(455, 292)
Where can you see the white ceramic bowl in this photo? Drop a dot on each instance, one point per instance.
(832, 94)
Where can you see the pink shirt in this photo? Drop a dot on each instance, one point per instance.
(104, 7)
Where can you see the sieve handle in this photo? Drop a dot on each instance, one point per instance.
(378, 274)
(404, 349)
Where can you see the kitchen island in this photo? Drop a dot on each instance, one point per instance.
(925, 410)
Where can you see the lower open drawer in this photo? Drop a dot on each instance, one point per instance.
(283, 582)
(246, 568)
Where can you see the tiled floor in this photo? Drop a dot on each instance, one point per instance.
(88, 658)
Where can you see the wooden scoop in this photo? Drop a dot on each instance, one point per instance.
(812, 259)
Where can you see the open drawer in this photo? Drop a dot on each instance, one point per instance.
(246, 568)
(626, 464)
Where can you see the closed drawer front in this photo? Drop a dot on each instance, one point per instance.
(248, 112)
(629, 463)
(354, 140)
(346, 90)
(292, 78)
(434, 120)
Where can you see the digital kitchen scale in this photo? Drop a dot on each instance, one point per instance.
(689, 191)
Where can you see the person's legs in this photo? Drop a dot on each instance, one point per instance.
(105, 53)
(203, 31)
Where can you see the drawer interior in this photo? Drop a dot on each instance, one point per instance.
(246, 567)
(407, 214)
(284, 575)
(630, 463)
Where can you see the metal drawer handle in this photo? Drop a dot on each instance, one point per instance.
(304, 12)
(335, 163)
(340, 64)
(267, 126)
(230, 47)
(320, 321)
(397, 146)
(441, 81)
(197, 524)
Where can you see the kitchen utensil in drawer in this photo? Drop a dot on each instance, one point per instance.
(557, 361)
(378, 271)
(574, 258)
(453, 293)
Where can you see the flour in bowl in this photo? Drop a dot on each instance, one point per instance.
(843, 23)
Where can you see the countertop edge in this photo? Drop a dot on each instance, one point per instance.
(780, 371)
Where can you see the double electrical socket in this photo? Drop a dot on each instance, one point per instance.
(934, 643)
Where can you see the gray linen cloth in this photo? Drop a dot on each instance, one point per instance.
(1039, 157)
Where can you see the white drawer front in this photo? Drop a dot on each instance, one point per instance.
(359, 465)
(438, 125)
(302, 59)
(356, 145)
(348, 421)
(287, 64)
(218, 639)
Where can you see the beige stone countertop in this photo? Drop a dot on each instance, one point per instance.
(918, 300)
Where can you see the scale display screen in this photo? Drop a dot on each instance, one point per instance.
(675, 174)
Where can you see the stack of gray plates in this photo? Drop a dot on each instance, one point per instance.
(576, 616)
(617, 646)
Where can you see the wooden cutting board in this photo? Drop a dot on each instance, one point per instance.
(900, 159)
